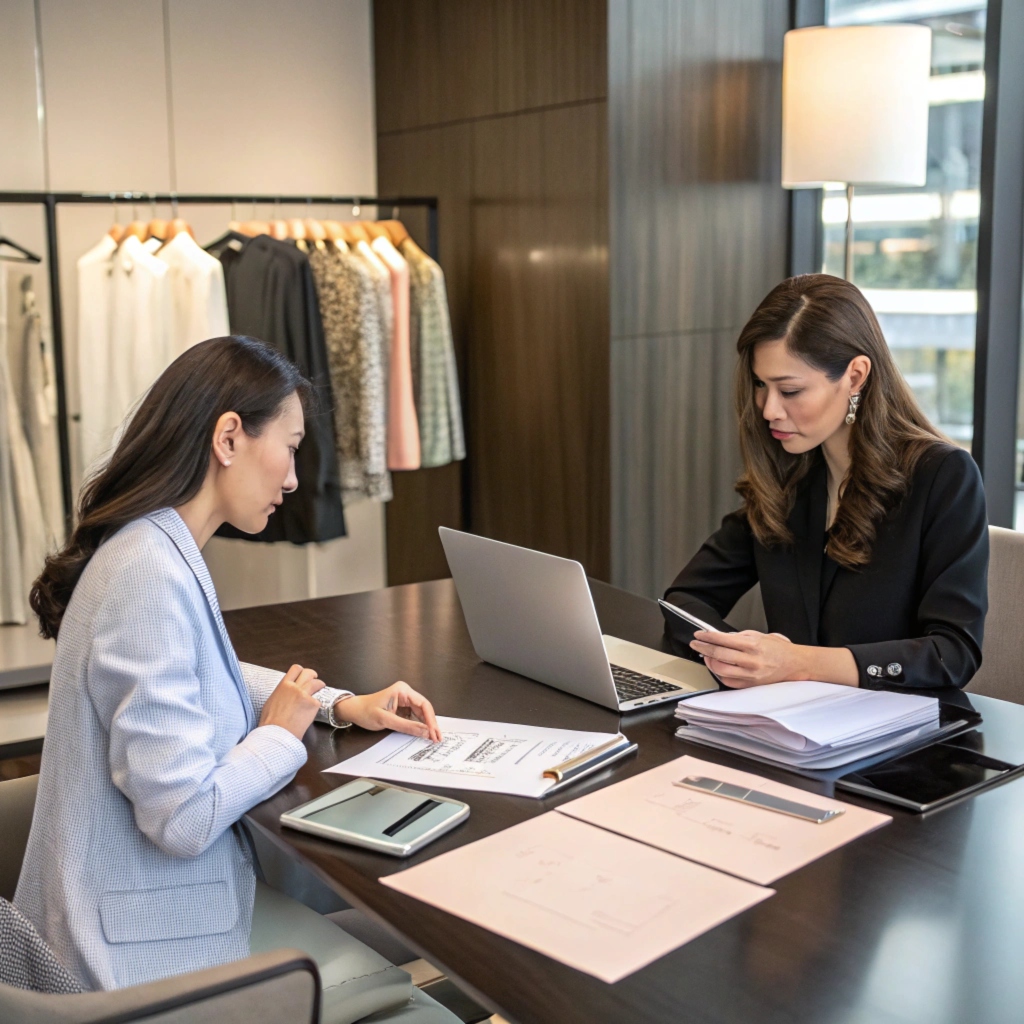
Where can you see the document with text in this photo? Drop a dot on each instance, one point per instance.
(583, 896)
(493, 757)
(745, 840)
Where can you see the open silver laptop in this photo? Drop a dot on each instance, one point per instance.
(533, 614)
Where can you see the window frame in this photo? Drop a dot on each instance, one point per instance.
(1000, 260)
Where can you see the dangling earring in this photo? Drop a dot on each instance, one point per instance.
(851, 416)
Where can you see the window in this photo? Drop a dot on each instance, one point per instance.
(915, 250)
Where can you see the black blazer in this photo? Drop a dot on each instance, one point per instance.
(913, 616)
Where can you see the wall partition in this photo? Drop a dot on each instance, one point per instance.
(698, 237)
(500, 109)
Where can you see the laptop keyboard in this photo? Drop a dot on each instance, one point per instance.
(630, 685)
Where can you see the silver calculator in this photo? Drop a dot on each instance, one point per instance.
(379, 816)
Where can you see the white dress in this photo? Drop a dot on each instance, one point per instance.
(23, 540)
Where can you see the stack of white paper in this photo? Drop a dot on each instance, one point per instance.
(808, 724)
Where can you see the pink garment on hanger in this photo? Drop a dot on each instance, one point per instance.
(403, 427)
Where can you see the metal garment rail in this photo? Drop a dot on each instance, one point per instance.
(51, 200)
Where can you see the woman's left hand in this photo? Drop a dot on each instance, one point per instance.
(397, 707)
(749, 658)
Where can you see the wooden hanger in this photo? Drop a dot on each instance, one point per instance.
(315, 232)
(334, 230)
(297, 228)
(137, 228)
(355, 231)
(254, 227)
(177, 227)
(396, 231)
(116, 232)
(278, 229)
(157, 228)
(374, 230)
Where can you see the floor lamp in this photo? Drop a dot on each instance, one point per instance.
(855, 109)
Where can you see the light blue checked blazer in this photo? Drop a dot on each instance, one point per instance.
(133, 870)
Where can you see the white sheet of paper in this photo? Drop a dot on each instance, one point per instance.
(816, 760)
(746, 841)
(493, 757)
(808, 716)
(583, 896)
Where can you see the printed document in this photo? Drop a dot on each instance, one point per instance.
(745, 840)
(583, 896)
(493, 757)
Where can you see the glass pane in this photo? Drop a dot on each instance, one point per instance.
(1018, 474)
(915, 249)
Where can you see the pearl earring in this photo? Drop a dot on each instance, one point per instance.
(851, 416)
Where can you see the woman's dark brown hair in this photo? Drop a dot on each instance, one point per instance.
(163, 455)
(826, 321)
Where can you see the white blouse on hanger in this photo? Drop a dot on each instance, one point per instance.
(199, 302)
(138, 347)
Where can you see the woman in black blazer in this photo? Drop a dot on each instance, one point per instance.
(865, 528)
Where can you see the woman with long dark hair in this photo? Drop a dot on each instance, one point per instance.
(159, 740)
(865, 528)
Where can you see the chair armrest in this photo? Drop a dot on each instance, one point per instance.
(283, 985)
(17, 802)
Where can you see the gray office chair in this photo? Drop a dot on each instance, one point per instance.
(1002, 654)
(17, 801)
(272, 987)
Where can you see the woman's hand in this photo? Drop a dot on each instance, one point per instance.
(749, 658)
(397, 707)
(753, 659)
(292, 704)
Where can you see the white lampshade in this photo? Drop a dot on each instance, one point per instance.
(855, 105)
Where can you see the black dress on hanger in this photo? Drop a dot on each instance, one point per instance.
(271, 296)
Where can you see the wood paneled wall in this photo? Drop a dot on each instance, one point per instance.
(698, 237)
(500, 109)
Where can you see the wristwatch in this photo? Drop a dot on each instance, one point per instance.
(327, 702)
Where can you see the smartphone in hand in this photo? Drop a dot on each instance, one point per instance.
(692, 619)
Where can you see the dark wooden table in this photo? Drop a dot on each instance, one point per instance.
(921, 921)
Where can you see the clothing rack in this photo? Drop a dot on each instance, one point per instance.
(51, 200)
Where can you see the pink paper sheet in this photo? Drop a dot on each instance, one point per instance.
(583, 896)
(741, 839)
